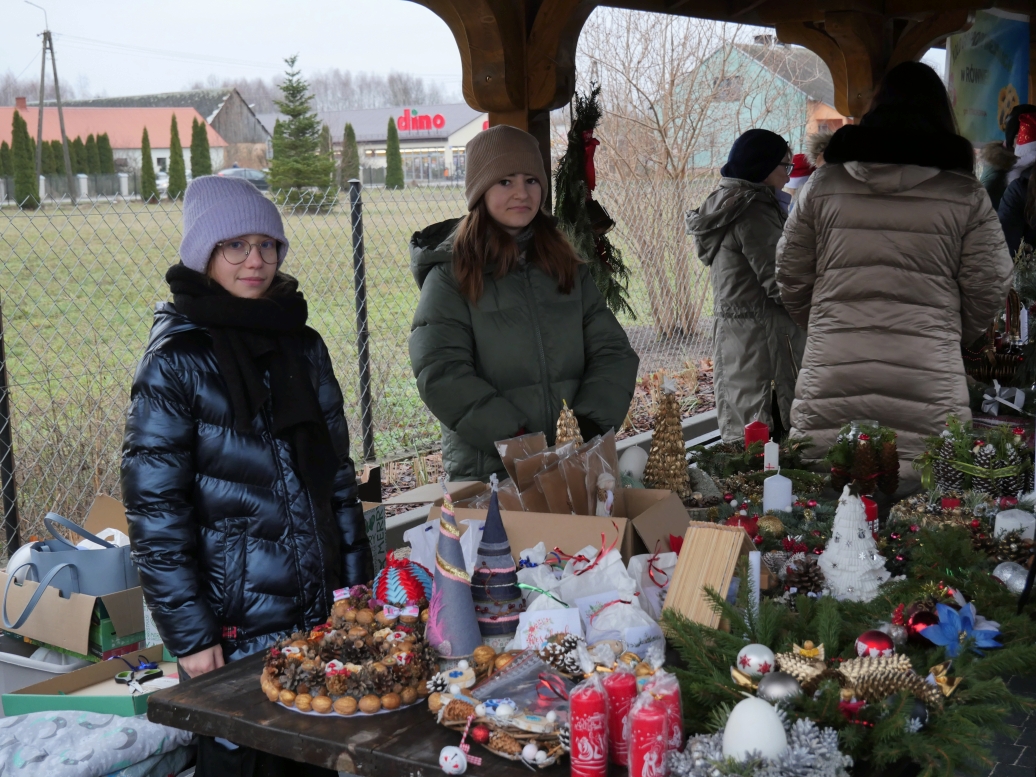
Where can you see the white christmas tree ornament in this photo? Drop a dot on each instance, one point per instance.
(852, 566)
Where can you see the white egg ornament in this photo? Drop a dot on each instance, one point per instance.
(754, 725)
(452, 760)
(756, 660)
(529, 753)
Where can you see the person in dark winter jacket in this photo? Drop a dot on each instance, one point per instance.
(239, 490)
(510, 323)
(1017, 209)
(756, 346)
(1000, 164)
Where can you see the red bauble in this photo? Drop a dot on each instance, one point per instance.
(480, 734)
(811, 503)
(875, 644)
(751, 525)
(917, 623)
(975, 523)
(728, 497)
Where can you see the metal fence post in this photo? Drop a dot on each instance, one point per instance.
(362, 333)
(10, 495)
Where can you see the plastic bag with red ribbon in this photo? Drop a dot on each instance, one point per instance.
(651, 572)
(593, 571)
(647, 731)
(666, 688)
(625, 622)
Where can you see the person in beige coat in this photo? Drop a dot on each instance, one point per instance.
(891, 258)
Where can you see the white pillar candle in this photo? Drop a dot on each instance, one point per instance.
(755, 559)
(771, 453)
(776, 493)
(1015, 520)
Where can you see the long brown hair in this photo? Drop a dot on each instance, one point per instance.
(480, 241)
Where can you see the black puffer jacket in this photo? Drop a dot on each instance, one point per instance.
(229, 545)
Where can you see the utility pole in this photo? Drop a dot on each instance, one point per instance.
(48, 44)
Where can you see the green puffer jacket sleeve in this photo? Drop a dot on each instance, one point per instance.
(611, 364)
(442, 353)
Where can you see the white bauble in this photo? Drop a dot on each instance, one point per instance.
(756, 660)
(452, 760)
(529, 752)
(480, 711)
(455, 690)
(754, 725)
(633, 461)
(541, 756)
(504, 711)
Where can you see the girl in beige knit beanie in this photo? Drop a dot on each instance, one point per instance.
(511, 324)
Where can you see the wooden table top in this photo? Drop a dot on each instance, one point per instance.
(228, 703)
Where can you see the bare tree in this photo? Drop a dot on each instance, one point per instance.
(12, 87)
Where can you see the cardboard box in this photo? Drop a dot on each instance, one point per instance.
(65, 623)
(656, 509)
(90, 689)
(432, 492)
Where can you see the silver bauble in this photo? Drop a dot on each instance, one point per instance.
(778, 687)
(1011, 575)
(897, 632)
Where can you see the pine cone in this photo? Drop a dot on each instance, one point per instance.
(1011, 485)
(808, 671)
(888, 480)
(438, 683)
(458, 710)
(874, 679)
(983, 456)
(865, 465)
(947, 477)
(804, 576)
(501, 742)
(565, 737)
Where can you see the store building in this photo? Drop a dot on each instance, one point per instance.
(431, 139)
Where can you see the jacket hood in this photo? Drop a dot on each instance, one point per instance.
(899, 137)
(996, 157)
(708, 224)
(431, 246)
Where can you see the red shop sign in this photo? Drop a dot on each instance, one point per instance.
(412, 121)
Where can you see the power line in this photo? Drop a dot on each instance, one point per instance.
(92, 44)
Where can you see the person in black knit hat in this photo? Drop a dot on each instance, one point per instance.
(757, 348)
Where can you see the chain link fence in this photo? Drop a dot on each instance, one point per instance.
(79, 282)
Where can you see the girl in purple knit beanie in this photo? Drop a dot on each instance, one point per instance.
(236, 476)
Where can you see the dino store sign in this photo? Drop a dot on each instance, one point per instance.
(412, 121)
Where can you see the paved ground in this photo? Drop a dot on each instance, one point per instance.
(1016, 752)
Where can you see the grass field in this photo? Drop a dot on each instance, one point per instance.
(78, 286)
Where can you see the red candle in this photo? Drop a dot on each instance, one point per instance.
(666, 689)
(871, 508)
(948, 503)
(756, 431)
(621, 690)
(588, 724)
(648, 727)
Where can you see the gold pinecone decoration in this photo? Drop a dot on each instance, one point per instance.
(457, 710)
(667, 461)
(771, 524)
(568, 426)
(874, 679)
(1009, 547)
(805, 575)
(808, 671)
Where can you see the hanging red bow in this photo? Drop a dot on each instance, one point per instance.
(590, 144)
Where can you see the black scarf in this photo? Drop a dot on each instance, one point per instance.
(255, 337)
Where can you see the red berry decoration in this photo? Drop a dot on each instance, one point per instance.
(480, 734)
(875, 644)
(758, 539)
(975, 523)
(811, 503)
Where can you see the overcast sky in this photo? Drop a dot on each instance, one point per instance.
(121, 47)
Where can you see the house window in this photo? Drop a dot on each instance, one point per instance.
(729, 89)
(161, 164)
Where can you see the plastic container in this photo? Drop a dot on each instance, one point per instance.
(19, 669)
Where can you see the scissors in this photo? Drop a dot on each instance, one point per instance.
(144, 672)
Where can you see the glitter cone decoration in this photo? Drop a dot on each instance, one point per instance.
(667, 459)
(853, 569)
(452, 628)
(568, 426)
(494, 584)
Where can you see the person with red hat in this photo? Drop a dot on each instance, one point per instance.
(800, 173)
(1017, 209)
(1002, 161)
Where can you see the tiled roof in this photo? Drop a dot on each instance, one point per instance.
(124, 126)
(206, 101)
(371, 125)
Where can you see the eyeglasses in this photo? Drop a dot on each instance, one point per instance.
(788, 167)
(237, 250)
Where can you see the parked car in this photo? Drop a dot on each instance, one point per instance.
(255, 177)
(162, 182)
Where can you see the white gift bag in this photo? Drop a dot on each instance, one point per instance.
(625, 622)
(586, 575)
(651, 573)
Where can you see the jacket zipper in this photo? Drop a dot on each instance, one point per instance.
(547, 403)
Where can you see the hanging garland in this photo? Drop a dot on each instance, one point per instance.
(584, 220)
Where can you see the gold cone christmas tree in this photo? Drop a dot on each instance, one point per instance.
(568, 426)
(667, 463)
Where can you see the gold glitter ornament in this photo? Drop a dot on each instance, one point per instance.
(771, 524)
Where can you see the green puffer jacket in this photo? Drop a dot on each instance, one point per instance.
(489, 369)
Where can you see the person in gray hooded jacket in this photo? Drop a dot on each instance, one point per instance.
(757, 348)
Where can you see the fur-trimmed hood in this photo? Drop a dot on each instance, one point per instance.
(995, 156)
(894, 136)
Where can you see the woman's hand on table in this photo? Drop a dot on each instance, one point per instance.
(203, 661)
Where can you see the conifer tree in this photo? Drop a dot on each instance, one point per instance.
(57, 156)
(177, 166)
(93, 160)
(297, 159)
(326, 147)
(350, 166)
(393, 159)
(26, 185)
(77, 153)
(104, 152)
(47, 159)
(201, 159)
(6, 170)
(148, 184)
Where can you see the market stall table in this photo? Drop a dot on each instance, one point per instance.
(228, 703)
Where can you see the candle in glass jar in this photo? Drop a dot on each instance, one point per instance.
(776, 493)
(648, 736)
(756, 431)
(588, 725)
(621, 690)
(771, 454)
